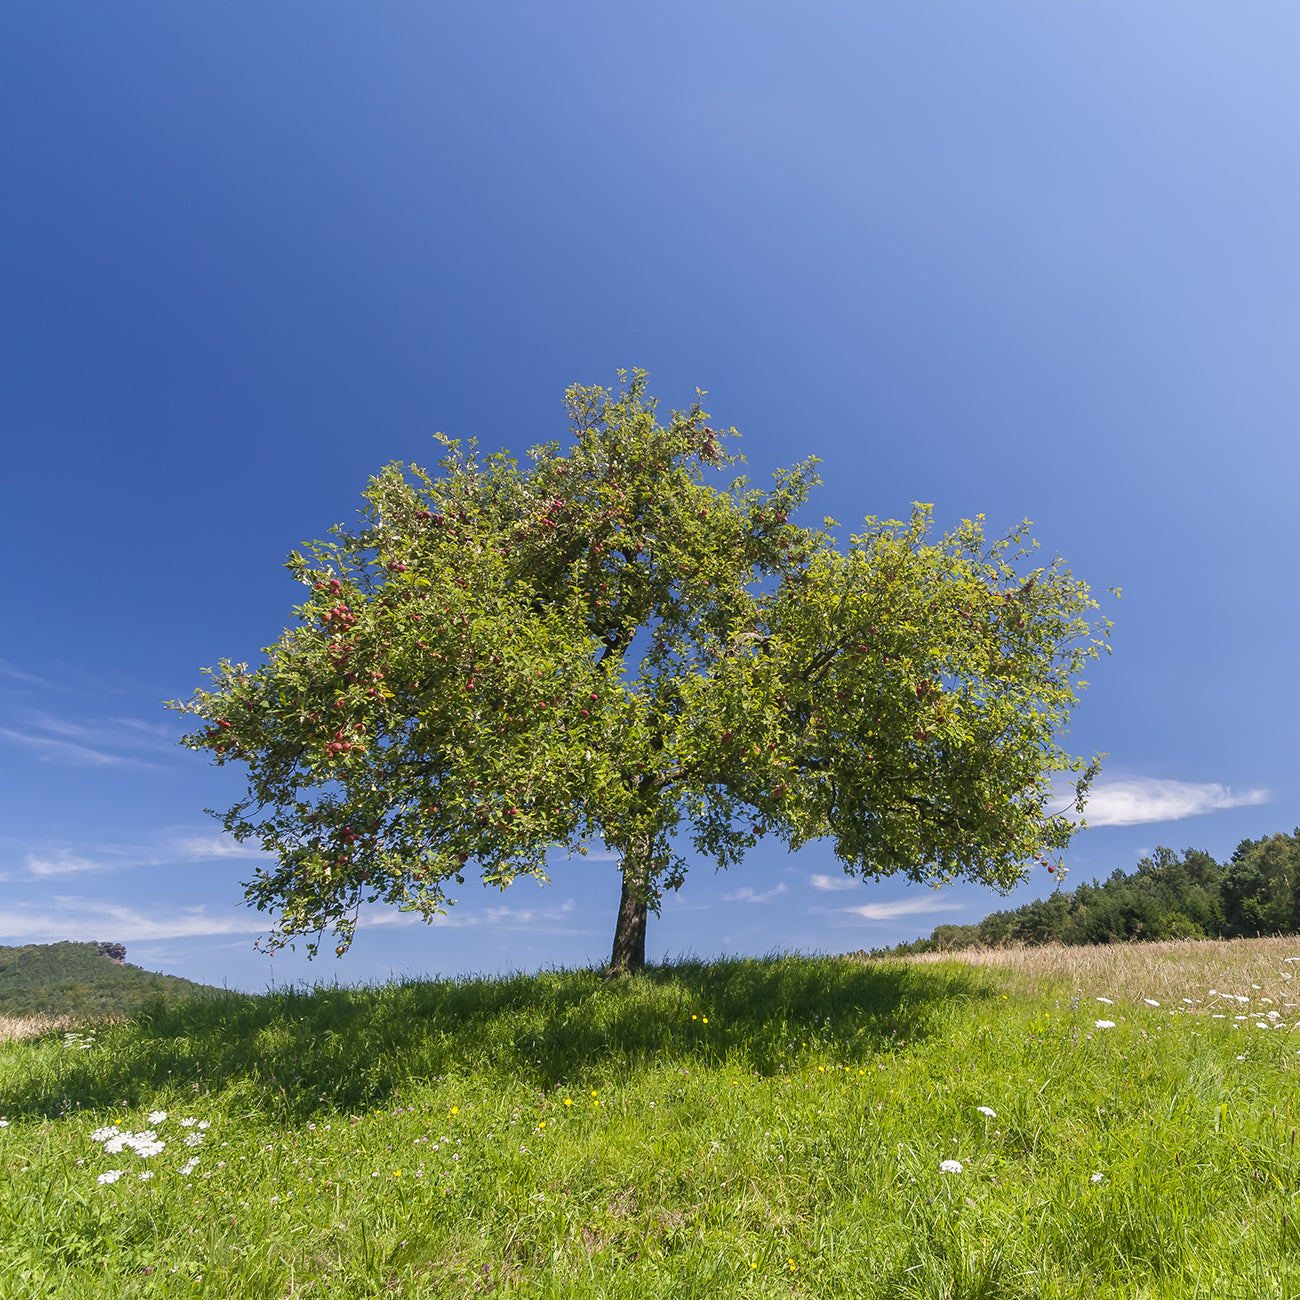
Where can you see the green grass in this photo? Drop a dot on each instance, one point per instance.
(789, 1145)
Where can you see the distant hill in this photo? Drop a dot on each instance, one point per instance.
(89, 979)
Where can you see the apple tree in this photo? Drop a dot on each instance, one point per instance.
(502, 661)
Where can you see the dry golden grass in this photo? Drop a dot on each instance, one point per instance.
(1168, 971)
(13, 1028)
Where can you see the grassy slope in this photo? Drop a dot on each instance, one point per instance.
(61, 979)
(418, 1139)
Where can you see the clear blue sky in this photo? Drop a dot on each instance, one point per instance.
(1011, 258)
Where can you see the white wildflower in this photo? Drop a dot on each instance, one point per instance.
(950, 1166)
(1107, 1001)
(1095, 1178)
(194, 1140)
(157, 1116)
(189, 1122)
(203, 1123)
(4, 1123)
(985, 1110)
(144, 1177)
(110, 1176)
(103, 1134)
(1104, 1024)
(188, 1167)
(1151, 1002)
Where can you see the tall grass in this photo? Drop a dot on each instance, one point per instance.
(745, 1128)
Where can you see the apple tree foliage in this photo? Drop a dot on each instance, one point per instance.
(502, 661)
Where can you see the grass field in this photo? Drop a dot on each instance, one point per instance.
(745, 1128)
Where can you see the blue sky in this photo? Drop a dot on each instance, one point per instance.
(1010, 258)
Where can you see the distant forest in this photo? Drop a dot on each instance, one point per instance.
(1256, 892)
(90, 979)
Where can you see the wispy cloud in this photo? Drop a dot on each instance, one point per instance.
(747, 895)
(60, 864)
(903, 907)
(200, 848)
(86, 919)
(160, 729)
(12, 670)
(118, 742)
(172, 848)
(830, 883)
(1147, 799)
(63, 751)
(539, 919)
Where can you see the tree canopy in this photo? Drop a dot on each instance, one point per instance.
(606, 643)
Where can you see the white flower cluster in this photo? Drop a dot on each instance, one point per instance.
(115, 1140)
(147, 1143)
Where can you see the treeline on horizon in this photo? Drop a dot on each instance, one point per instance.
(1256, 892)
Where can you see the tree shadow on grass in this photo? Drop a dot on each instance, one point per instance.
(342, 1049)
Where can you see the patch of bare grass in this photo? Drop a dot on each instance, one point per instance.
(1167, 971)
(13, 1028)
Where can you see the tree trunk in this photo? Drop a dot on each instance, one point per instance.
(629, 928)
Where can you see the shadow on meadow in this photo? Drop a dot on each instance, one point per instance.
(334, 1048)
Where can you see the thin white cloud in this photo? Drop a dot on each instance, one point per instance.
(902, 907)
(200, 848)
(62, 751)
(539, 919)
(132, 733)
(160, 729)
(1146, 799)
(86, 919)
(830, 883)
(747, 895)
(11, 670)
(172, 849)
(59, 864)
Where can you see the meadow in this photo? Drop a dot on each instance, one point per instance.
(1041, 1122)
